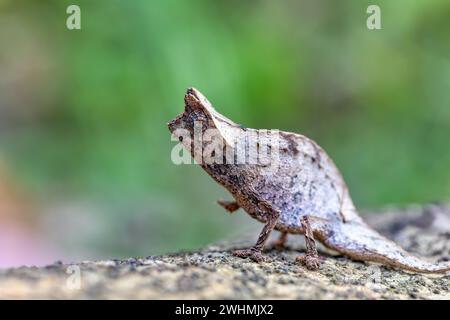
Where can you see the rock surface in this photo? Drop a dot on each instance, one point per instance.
(213, 273)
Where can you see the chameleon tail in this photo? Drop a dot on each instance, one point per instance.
(360, 242)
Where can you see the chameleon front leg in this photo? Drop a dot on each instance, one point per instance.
(255, 252)
(311, 259)
(230, 206)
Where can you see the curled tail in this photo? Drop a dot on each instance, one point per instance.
(358, 241)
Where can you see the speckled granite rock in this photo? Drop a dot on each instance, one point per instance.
(213, 273)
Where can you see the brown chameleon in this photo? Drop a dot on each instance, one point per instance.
(305, 195)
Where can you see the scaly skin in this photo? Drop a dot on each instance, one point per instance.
(305, 194)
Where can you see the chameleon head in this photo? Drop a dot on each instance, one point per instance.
(198, 111)
(195, 110)
(212, 138)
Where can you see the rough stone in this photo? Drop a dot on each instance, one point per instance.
(214, 273)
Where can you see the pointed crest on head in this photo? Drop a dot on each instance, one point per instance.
(195, 100)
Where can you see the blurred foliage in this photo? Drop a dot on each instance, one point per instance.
(83, 113)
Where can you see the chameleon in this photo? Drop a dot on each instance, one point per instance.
(306, 195)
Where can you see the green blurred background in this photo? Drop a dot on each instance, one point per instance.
(83, 113)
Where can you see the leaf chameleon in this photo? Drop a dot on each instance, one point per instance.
(305, 195)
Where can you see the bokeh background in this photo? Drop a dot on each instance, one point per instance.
(85, 169)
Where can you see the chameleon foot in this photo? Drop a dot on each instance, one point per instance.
(254, 252)
(310, 262)
(251, 253)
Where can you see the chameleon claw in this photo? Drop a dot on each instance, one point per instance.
(253, 254)
(310, 262)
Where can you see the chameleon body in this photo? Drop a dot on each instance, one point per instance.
(305, 195)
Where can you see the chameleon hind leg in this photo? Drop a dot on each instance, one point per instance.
(311, 259)
(255, 252)
(281, 241)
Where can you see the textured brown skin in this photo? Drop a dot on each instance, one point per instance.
(306, 195)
